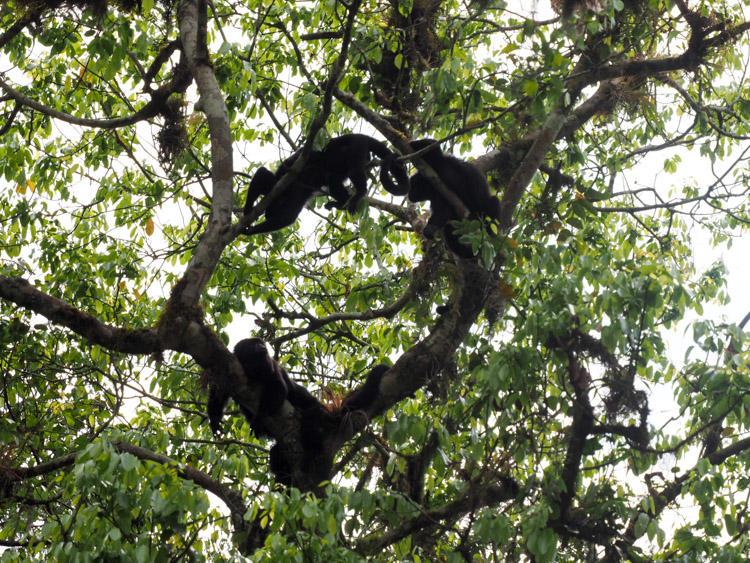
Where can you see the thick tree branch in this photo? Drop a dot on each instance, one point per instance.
(183, 334)
(20, 24)
(192, 18)
(17, 474)
(583, 423)
(698, 47)
(159, 61)
(428, 357)
(478, 494)
(722, 455)
(600, 102)
(130, 341)
(530, 164)
(11, 118)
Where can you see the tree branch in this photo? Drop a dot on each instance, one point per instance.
(20, 24)
(130, 341)
(192, 19)
(317, 123)
(667, 495)
(178, 84)
(418, 283)
(426, 358)
(231, 498)
(399, 141)
(478, 494)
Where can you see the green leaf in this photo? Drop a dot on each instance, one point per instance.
(129, 461)
(641, 523)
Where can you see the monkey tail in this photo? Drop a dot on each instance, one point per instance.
(379, 149)
(390, 166)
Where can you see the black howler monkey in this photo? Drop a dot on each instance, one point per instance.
(347, 157)
(277, 387)
(284, 210)
(343, 157)
(464, 180)
(262, 369)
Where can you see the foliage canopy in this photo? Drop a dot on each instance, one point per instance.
(517, 423)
